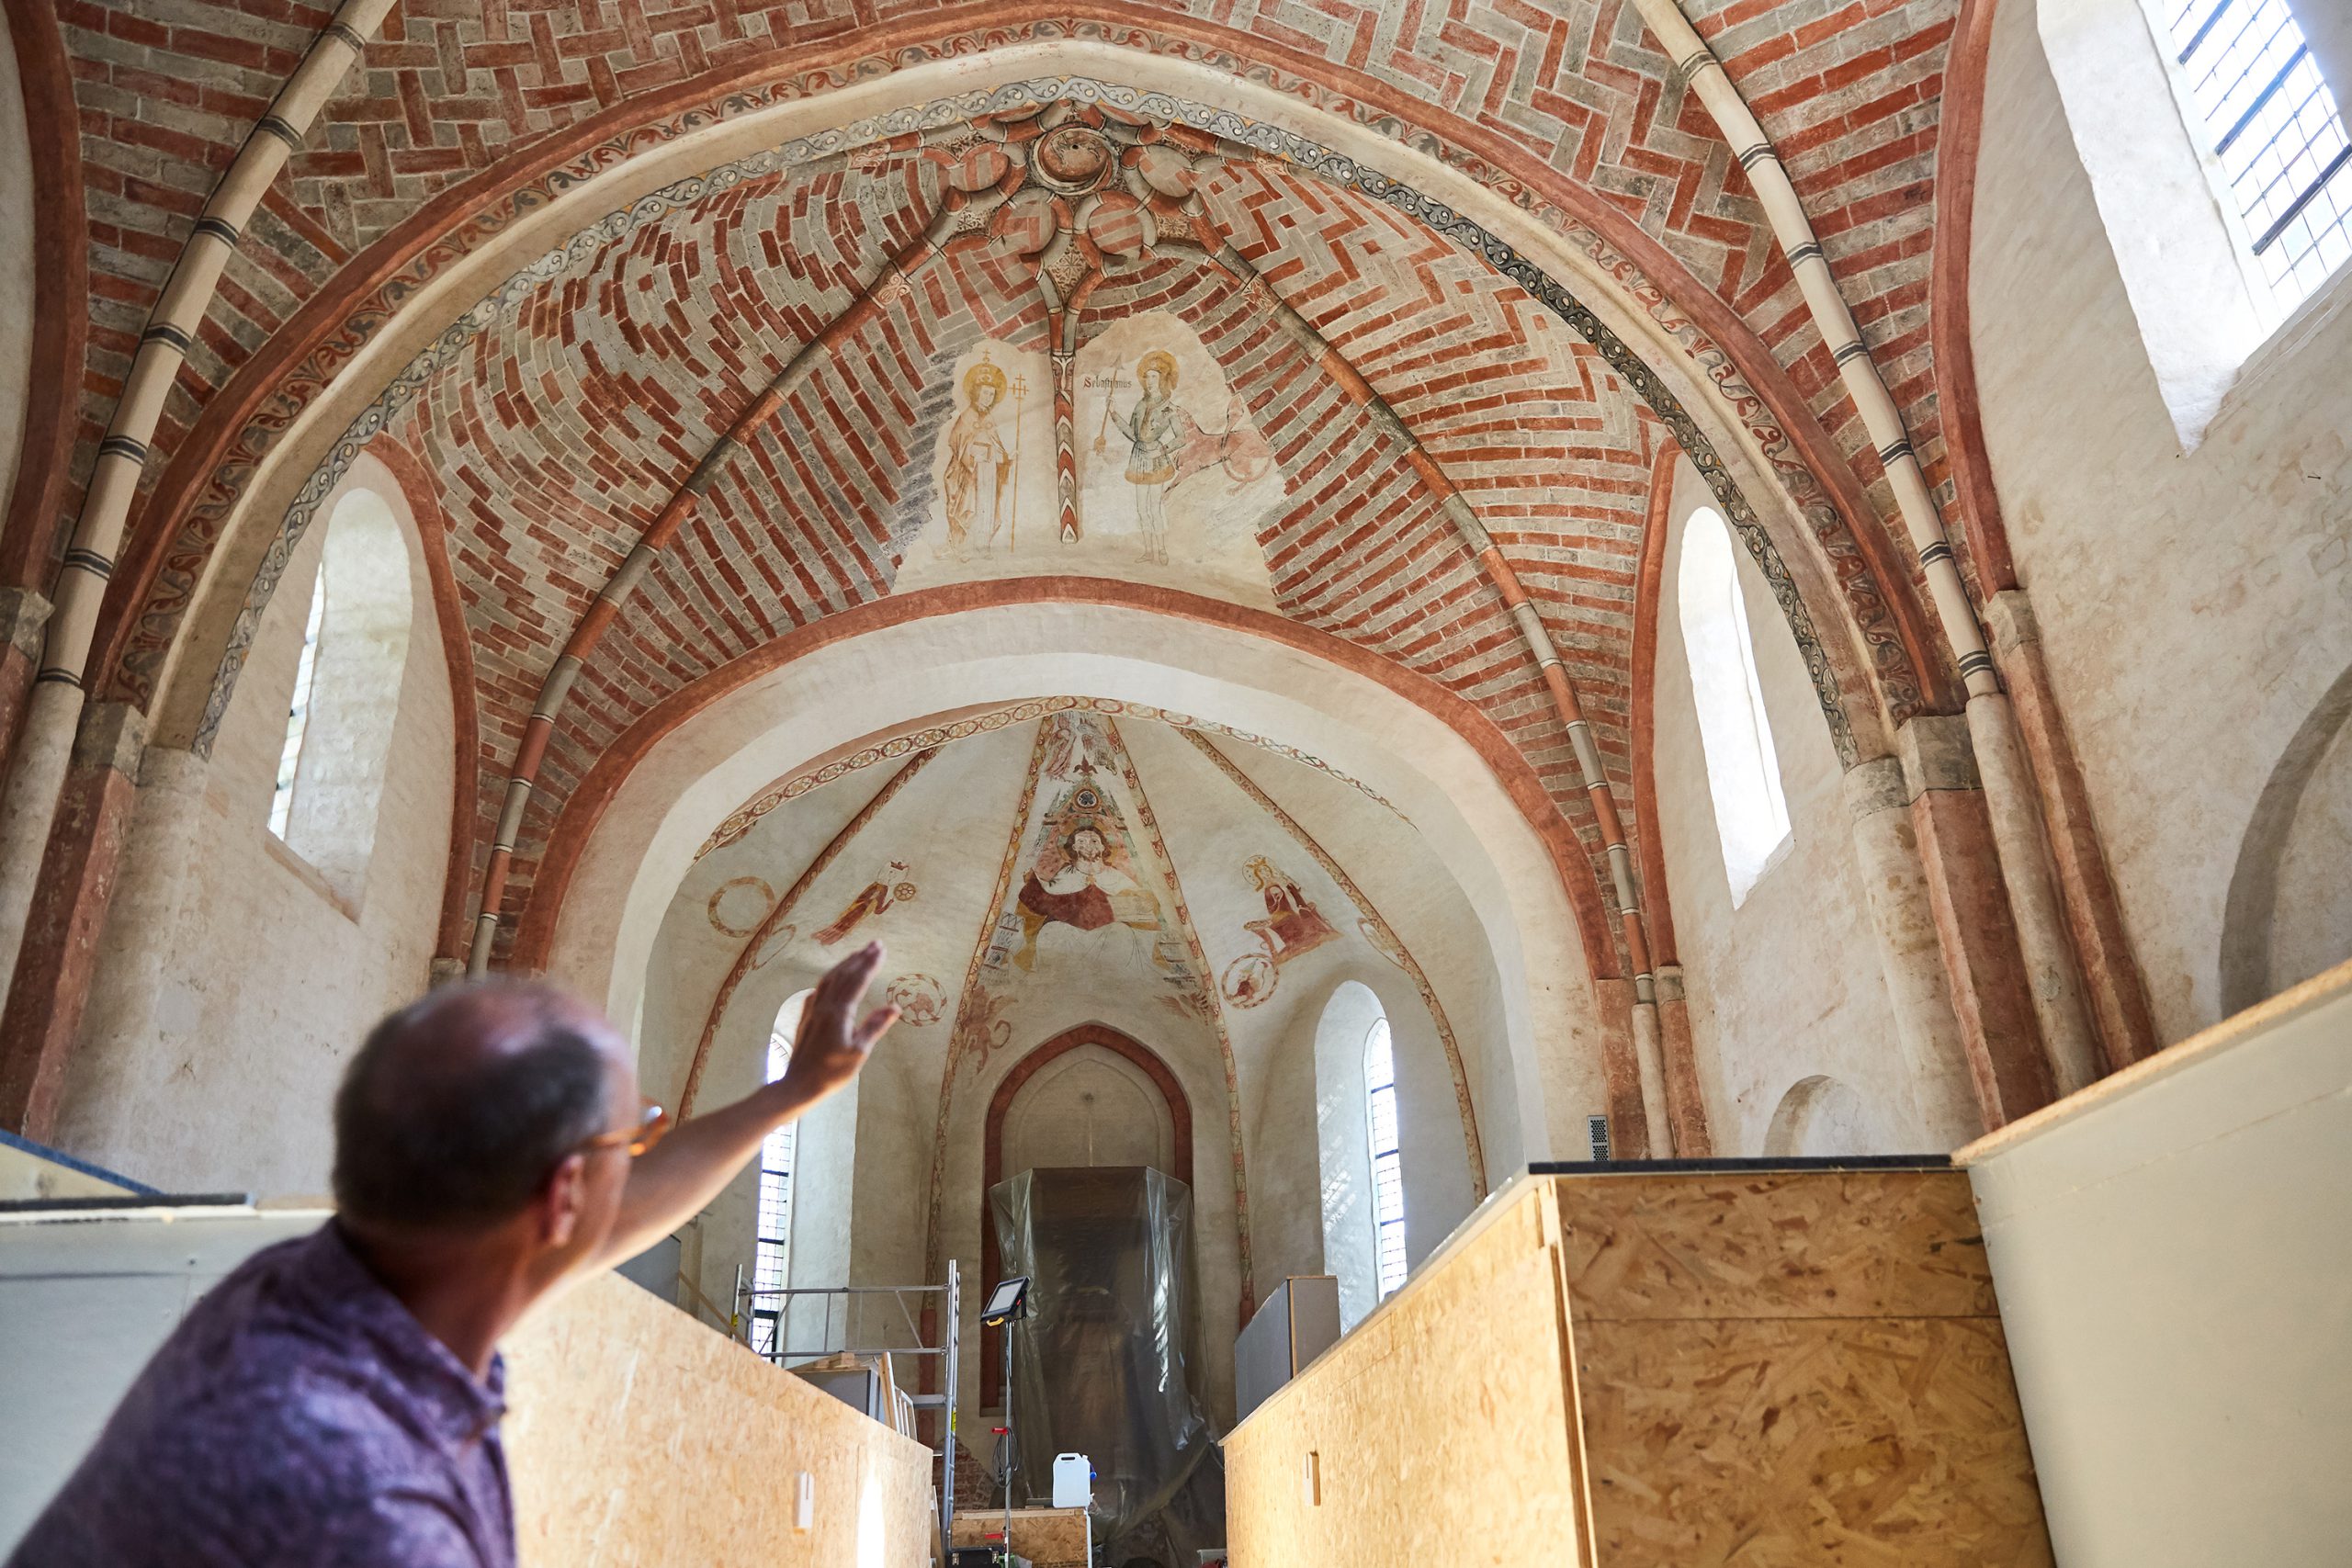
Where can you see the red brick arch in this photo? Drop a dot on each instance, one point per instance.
(1180, 1112)
(576, 823)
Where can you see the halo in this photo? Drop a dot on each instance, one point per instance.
(984, 372)
(1158, 359)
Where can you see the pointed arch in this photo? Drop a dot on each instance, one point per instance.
(1180, 1112)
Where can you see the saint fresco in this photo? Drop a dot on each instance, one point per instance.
(1166, 476)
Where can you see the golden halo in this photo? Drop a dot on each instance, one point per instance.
(983, 373)
(1158, 359)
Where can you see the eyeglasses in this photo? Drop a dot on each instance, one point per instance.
(648, 1130)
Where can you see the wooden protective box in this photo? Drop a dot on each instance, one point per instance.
(1771, 1367)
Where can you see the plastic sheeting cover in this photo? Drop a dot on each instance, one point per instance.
(1102, 1365)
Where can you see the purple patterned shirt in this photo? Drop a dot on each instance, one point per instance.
(299, 1416)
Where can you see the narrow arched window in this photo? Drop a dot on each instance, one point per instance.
(1743, 771)
(298, 711)
(772, 1240)
(2282, 162)
(346, 701)
(1387, 1164)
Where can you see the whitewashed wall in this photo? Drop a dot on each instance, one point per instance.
(233, 981)
(2196, 602)
(1787, 986)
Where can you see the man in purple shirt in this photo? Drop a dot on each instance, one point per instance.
(336, 1401)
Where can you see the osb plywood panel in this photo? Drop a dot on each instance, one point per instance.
(1439, 1427)
(1817, 1243)
(1050, 1537)
(1795, 1443)
(640, 1438)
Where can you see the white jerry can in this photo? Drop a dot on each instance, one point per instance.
(1073, 1481)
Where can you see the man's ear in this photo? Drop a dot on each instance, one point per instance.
(561, 1199)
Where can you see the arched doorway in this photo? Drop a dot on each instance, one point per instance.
(1081, 1053)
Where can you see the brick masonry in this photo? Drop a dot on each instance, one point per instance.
(562, 430)
(168, 88)
(566, 426)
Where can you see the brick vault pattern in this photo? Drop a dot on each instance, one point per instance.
(546, 488)
(168, 87)
(1864, 603)
(693, 312)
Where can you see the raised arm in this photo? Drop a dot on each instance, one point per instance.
(676, 1178)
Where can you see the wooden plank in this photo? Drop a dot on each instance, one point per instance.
(1815, 1243)
(1439, 1429)
(1793, 1443)
(638, 1437)
(1050, 1537)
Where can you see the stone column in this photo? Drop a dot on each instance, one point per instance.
(1686, 1106)
(1974, 925)
(1649, 1060)
(127, 1013)
(2113, 987)
(1621, 1072)
(67, 916)
(1943, 1111)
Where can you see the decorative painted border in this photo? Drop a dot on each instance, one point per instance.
(1898, 683)
(1150, 824)
(934, 1243)
(744, 818)
(1384, 939)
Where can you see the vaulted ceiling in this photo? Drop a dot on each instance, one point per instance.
(1229, 885)
(1063, 229)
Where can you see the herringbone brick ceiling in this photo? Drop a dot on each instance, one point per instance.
(569, 420)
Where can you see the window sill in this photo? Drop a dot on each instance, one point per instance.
(2285, 345)
(309, 875)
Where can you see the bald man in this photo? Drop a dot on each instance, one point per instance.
(336, 1401)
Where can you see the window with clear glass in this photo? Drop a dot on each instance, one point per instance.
(1743, 770)
(2276, 132)
(298, 712)
(1387, 1165)
(772, 1240)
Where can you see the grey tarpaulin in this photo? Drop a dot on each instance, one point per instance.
(1106, 1361)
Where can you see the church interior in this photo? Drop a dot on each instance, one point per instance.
(1545, 867)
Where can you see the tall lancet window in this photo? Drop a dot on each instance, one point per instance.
(2280, 157)
(772, 1245)
(298, 712)
(1743, 771)
(1387, 1165)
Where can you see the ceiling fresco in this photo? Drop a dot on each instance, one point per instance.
(1081, 862)
(1065, 326)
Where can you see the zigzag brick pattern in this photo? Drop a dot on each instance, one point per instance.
(565, 428)
(169, 87)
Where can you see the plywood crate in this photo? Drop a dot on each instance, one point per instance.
(1626, 1370)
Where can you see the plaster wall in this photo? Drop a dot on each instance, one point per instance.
(632, 863)
(2192, 598)
(233, 980)
(2176, 1282)
(1787, 986)
(2313, 892)
(15, 265)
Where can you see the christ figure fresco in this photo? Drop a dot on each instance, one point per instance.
(1088, 912)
